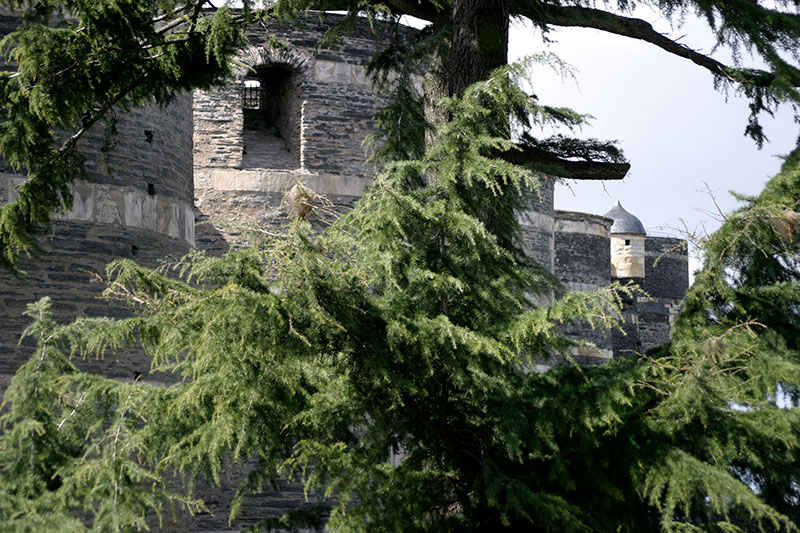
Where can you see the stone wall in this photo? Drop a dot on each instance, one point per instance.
(136, 203)
(666, 283)
(69, 273)
(667, 267)
(582, 258)
(537, 223)
(328, 108)
(625, 338)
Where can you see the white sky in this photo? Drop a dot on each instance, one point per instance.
(678, 132)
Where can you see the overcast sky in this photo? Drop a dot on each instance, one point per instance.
(677, 131)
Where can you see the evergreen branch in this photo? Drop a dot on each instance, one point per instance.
(192, 19)
(545, 161)
(31, 219)
(70, 143)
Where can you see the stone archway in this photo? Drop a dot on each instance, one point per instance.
(272, 107)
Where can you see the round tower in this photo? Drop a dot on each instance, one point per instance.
(581, 264)
(135, 203)
(627, 244)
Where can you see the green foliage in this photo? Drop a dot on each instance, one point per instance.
(386, 363)
(730, 377)
(404, 328)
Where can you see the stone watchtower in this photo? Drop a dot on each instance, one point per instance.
(658, 266)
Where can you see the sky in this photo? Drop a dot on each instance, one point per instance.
(684, 139)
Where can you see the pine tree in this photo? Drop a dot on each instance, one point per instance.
(385, 363)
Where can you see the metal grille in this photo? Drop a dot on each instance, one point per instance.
(252, 97)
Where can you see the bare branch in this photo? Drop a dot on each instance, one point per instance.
(584, 17)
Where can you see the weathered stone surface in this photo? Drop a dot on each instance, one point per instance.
(582, 256)
(627, 256)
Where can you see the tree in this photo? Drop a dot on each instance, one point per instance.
(408, 326)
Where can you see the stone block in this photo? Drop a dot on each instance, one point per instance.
(106, 207)
(167, 220)
(133, 209)
(360, 76)
(325, 71)
(150, 213)
(188, 220)
(344, 73)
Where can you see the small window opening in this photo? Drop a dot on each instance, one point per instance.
(271, 108)
(627, 242)
(151, 189)
(134, 249)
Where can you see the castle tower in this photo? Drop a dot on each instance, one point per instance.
(582, 256)
(136, 203)
(627, 238)
(627, 244)
(292, 114)
(656, 265)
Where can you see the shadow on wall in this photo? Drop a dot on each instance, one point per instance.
(272, 115)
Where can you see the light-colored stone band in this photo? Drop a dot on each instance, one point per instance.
(587, 227)
(270, 180)
(540, 221)
(118, 205)
(351, 74)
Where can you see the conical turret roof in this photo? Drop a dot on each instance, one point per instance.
(624, 222)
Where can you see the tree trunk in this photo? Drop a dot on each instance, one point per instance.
(476, 43)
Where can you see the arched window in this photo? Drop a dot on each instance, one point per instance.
(272, 108)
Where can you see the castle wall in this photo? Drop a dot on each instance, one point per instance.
(537, 223)
(136, 204)
(666, 283)
(625, 338)
(667, 267)
(582, 258)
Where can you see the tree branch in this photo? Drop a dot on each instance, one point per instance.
(542, 160)
(416, 8)
(584, 17)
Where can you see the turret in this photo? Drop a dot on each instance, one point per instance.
(627, 244)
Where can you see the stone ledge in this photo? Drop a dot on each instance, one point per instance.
(586, 227)
(120, 206)
(541, 221)
(267, 180)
